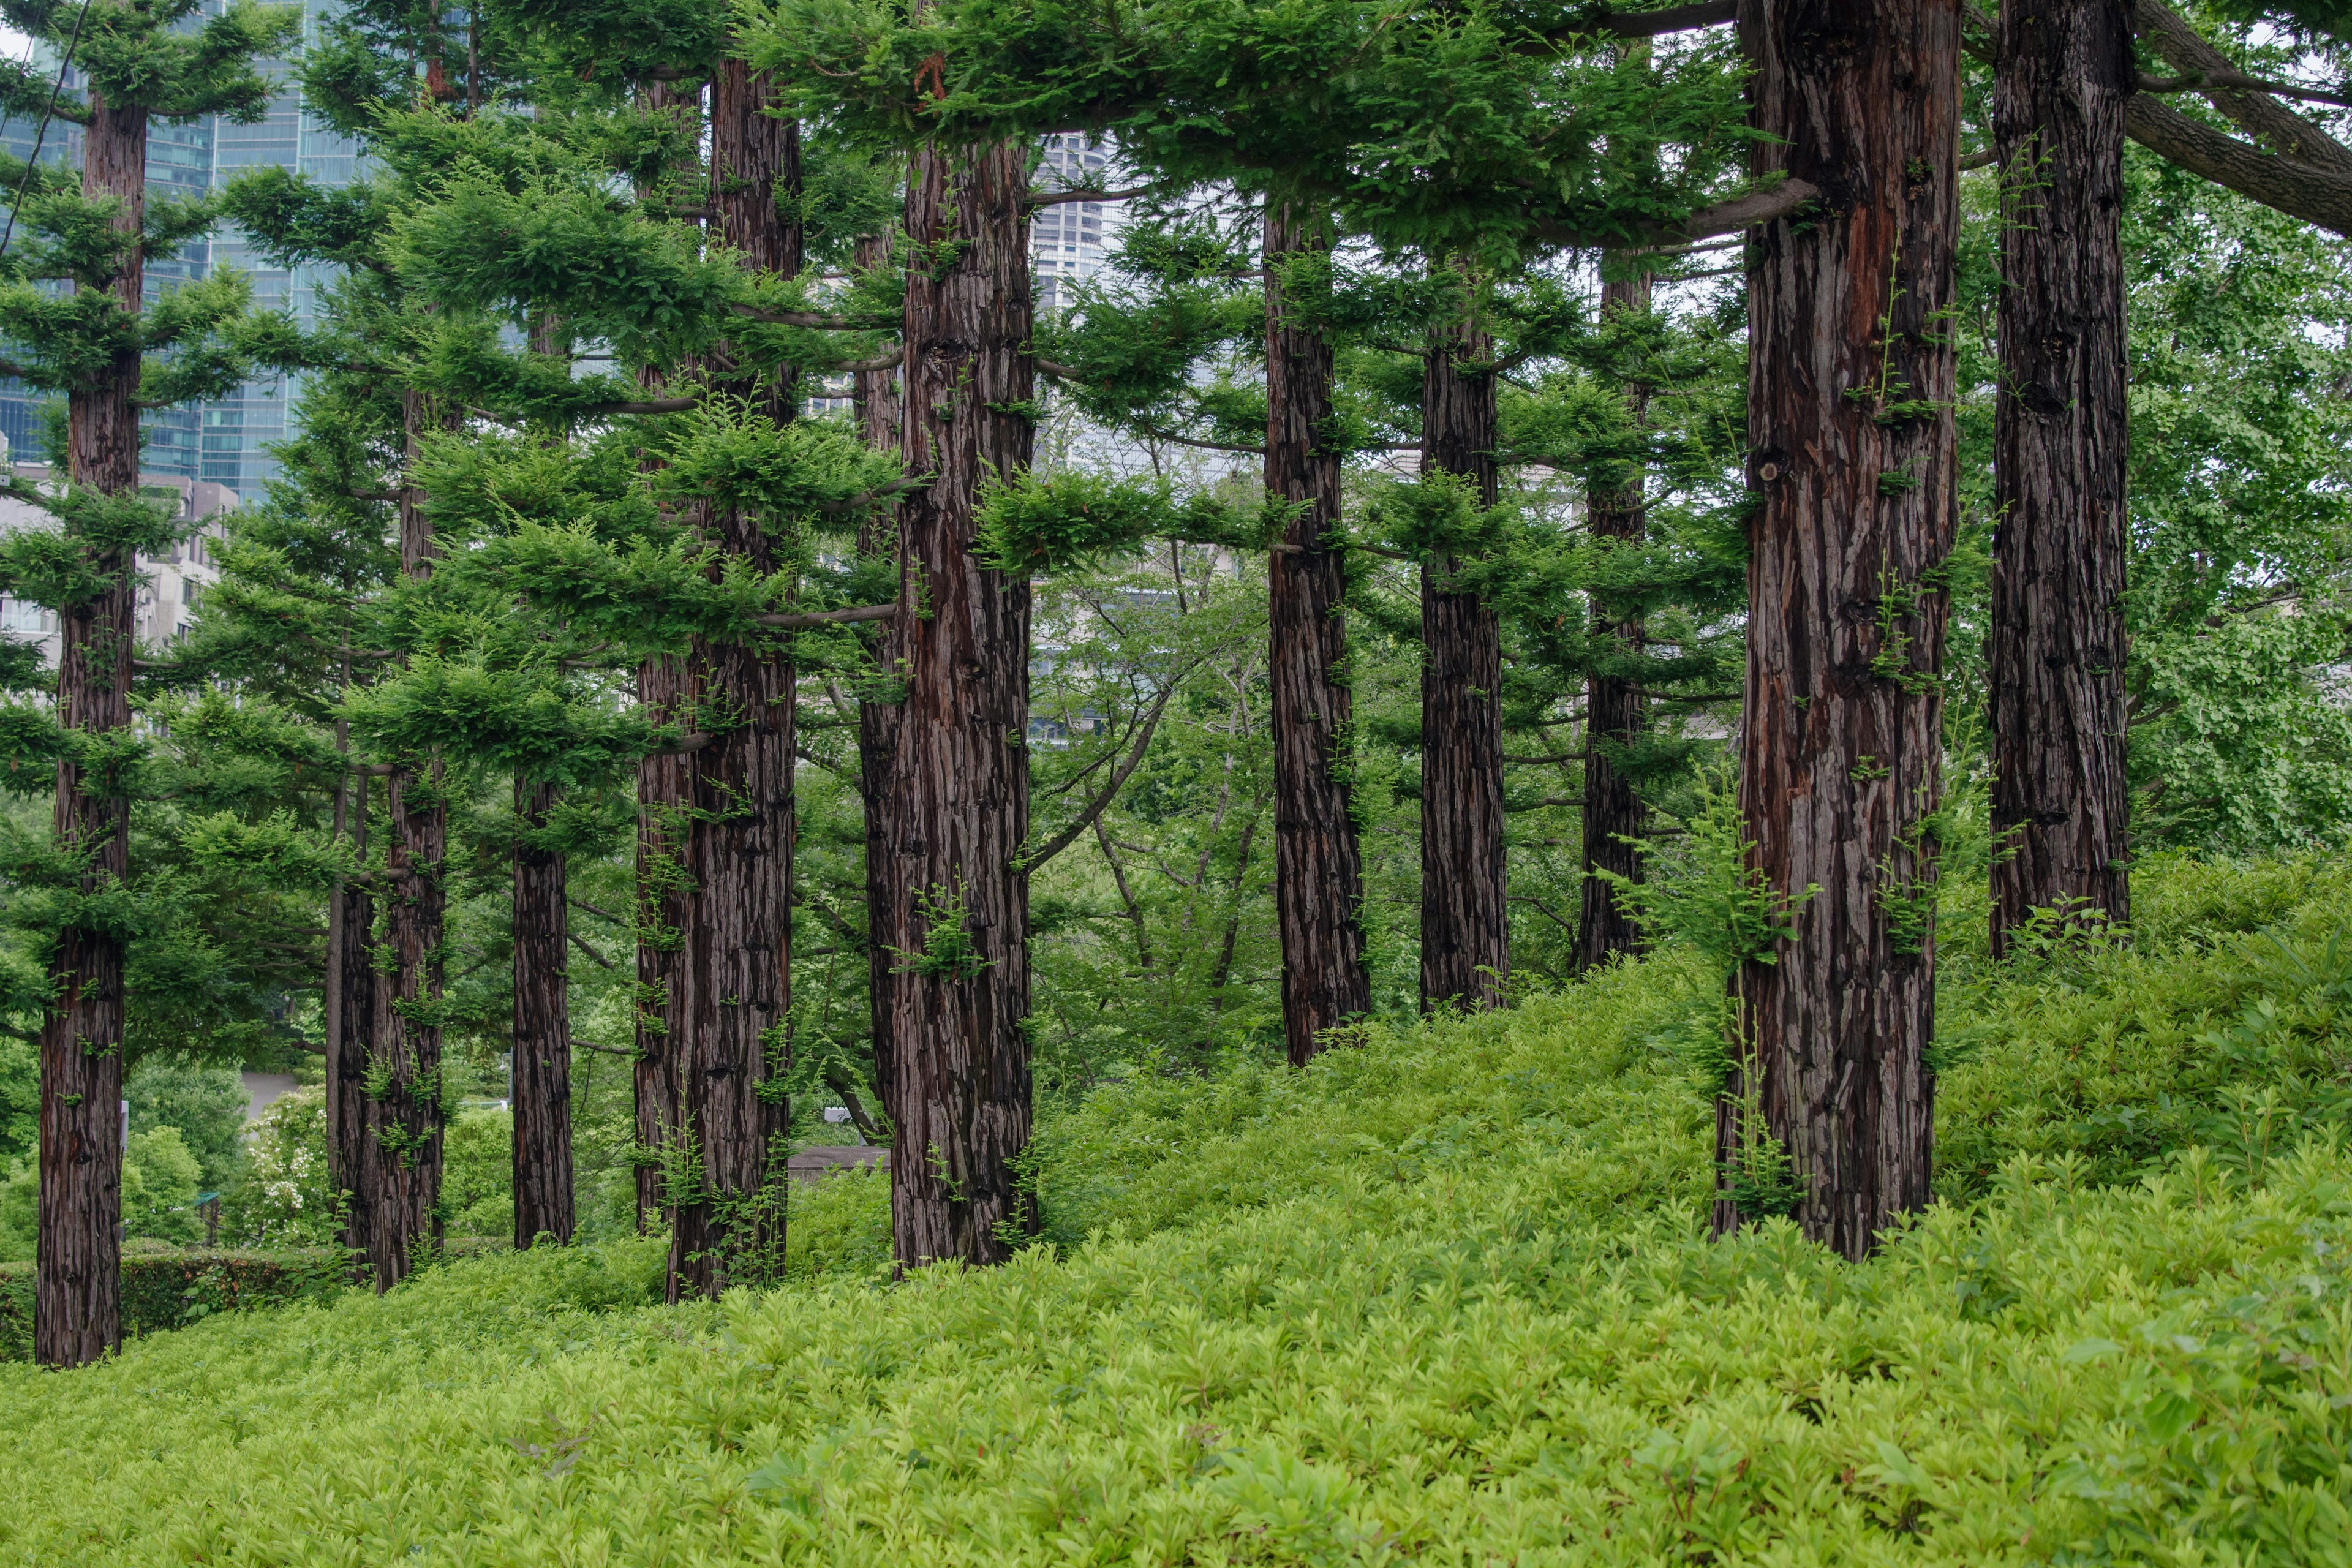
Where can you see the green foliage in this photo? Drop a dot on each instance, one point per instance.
(477, 1174)
(202, 1102)
(285, 1199)
(1077, 516)
(168, 1291)
(159, 1186)
(1442, 1295)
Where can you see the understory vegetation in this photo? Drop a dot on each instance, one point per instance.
(1444, 1296)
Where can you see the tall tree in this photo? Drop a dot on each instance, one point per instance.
(1616, 715)
(728, 1052)
(956, 806)
(112, 356)
(1318, 875)
(1851, 377)
(1466, 920)
(2061, 798)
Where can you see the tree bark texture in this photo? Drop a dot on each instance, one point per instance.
(542, 1095)
(1852, 460)
(351, 1043)
(1319, 871)
(660, 918)
(405, 1111)
(956, 810)
(1466, 924)
(727, 1058)
(77, 1291)
(2060, 799)
(660, 904)
(1616, 719)
(880, 420)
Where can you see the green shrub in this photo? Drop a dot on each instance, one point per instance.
(173, 1289)
(1442, 1297)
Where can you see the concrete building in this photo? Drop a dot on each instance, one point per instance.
(170, 586)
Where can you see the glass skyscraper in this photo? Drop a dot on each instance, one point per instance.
(220, 442)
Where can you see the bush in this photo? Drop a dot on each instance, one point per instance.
(286, 1198)
(1441, 1297)
(173, 1289)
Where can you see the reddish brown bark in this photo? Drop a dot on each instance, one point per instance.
(2060, 801)
(728, 1055)
(1466, 924)
(1615, 716)
(956, 810)
(1852, 450)
(660, 908)
(404, 1109)
(661, 931)
(541, 1094)
(1318, 873)
(879, 421)
(350, 1036)
(77, 1291)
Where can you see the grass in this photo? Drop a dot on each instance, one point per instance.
(1441, 1299)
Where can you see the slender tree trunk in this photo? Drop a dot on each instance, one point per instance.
(956, 811)
(2061, 802)
(543, 1028)
(352, 982)
(728, 1060)
(661, 892)
(1615, 717)
(661, 931)
(405, 1111)
(1852, 452)
(1319, 880)
(879, 422)
(1465, 916)
(76, 1294)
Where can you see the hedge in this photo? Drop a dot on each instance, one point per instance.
(173, 1289)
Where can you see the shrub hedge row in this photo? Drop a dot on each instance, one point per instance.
(173, 1289)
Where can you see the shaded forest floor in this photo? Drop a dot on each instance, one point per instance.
(1444, 1297)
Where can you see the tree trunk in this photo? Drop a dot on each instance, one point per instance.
(1318, 873)
(728, 1058)
(405, 1111)
(350, 1040)
(879, 422)
(1852, 455)
(1465, 921)
(660, 909)
(957, 807)
(77, 1295)
(660, 933)
(543, 1028)
(1615, 717)
(2061, 802)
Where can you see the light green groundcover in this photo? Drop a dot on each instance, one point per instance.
(1439, 1299)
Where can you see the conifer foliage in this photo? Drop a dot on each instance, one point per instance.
(112, 353)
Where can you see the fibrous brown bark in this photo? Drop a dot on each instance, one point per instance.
(879, 421)
(956, 809)
(542, 1093)
(661, 905)
(1615, 716)
(77, 1292)
(2061, 800)
(351, 1033)
(726, 1057)
(1318, 873)
(1466, 924)
(660, 916)
(405, 1112)
(1851, 453)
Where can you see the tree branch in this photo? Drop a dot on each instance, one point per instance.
(2244, 102)
(811, 318)
(1724, 217)
(1054, 198)
(885, 362)
(599, 959)
(829, 617)
(650, 405)
(1102, 798)
(1652, 24)
(2210, 81)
